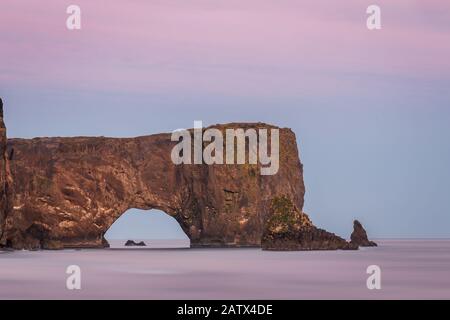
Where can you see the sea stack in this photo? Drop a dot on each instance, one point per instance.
(359, 236)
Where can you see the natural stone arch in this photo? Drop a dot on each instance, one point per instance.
(146, 225)
(59, 193)
(68, 191)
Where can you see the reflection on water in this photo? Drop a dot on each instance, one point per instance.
(410, 269)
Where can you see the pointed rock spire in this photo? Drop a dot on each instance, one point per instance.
(359, 236)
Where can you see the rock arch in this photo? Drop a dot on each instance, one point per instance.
(154, 227)
(58, 193)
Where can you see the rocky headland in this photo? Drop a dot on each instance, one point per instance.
(61, 193)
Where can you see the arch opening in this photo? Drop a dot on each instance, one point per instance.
(152, 229)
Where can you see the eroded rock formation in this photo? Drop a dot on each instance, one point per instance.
(67, 192)
(289, 229)
(359, 236)
(5, 177)
(2, 171)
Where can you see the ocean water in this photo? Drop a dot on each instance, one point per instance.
(410, 269)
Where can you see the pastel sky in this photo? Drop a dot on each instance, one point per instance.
(371, 109)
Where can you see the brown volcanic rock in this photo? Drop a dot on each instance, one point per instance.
(66, 192)
(131, 243)
(5, 178)
(69, 191)
(306, 239)
(289, 229)
(3, 199)
(359, 236)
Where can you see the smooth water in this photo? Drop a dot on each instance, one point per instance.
(411, 269)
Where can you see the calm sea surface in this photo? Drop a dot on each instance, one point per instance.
(410, 269)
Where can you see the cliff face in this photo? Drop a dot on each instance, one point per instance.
(4, 177)
(69, 191)
(2, 171)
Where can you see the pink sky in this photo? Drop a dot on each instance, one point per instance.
(374, 104)
(223, 46)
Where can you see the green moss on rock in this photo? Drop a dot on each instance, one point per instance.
(289, 229)
(285, 216)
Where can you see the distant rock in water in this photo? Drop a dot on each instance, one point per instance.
(288, 229)
(131, 243)
(359, 236)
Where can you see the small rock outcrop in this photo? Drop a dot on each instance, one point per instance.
(289, 229)
(131, 243)
(359, 236)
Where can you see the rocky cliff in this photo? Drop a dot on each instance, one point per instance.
(5, 178)
(2, 171)
(67, 192)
